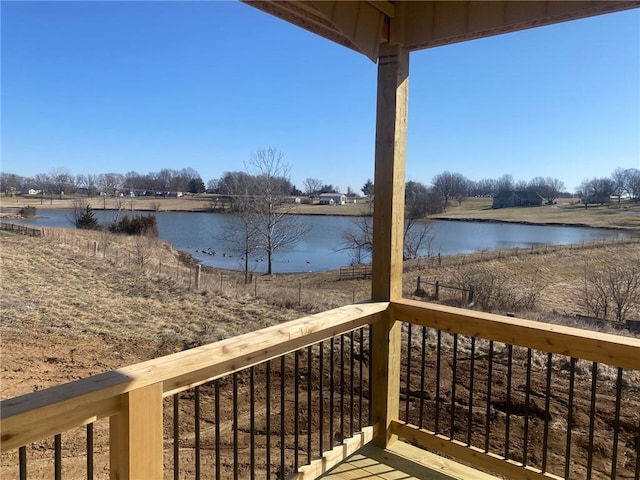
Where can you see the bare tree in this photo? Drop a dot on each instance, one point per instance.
(417, 238)
(43, 181)
(612, 290)
(549, 188)
(312, 186)
(276, 228)
(358, 238)
(61, 180)
(633, 184)
(596, 190)
(619, 177)
(451, 185)
(240, 229)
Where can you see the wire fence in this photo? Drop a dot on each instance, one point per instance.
(438, 260)
(150, 257)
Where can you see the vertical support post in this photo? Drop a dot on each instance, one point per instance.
(388, 225)
(135, 435)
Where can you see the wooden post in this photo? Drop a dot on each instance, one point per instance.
(135, 435)
(437, 294)
(198, 273)
(388, 222)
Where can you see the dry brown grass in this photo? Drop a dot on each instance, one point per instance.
(62, 300)
(566, 212)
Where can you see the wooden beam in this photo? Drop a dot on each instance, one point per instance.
(385, 7)
(136, 436)
(391, 139)
(388, 223)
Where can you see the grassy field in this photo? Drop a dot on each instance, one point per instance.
(75, 304)
(565, 212)
(61, 298)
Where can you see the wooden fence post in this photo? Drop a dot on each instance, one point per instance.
(198, 273)
(95, 248)
(136, 435)
(470, 298)
(437, 293)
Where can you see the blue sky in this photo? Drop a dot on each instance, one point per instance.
(100, 87)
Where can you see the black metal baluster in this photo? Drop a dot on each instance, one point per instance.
(57, 449)
(547, 415)
(453, 385)
(176, 437)
(508, 407)
(592, 415)
(370, 357)
(268, 419)
(331, 387)
(321, 399)
(197, 429)
(22, 462)
(488, 412)
(408, 387)
(572, 377)
(352, 386)
(252, 421)
(616, 425)
(282, 417)
(309, 401)
(341, 388)
(438, 355)
(235, 426)
(423, 366)
(471, 375)
(296, 407)
(361, 379)
(89, 451)
(525, 446)
(217, 420)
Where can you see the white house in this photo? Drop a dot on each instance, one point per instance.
(332, 199)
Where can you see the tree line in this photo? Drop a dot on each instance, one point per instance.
(444, 188)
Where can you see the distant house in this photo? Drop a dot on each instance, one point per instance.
(511, 198)
(29, 191)
(333, 199)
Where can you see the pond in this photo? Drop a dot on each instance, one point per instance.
(199, 234)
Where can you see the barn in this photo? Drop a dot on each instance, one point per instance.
(333, 199)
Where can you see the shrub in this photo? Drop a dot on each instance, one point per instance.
(28, 211)
(146, 225)
(87, 220)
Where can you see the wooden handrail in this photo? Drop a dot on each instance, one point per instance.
(613, 350)
(37, 415)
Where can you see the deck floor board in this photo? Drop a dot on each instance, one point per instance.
(401, 461)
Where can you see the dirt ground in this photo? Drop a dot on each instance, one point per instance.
(67, 314)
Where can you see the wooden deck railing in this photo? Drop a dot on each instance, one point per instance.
(132, 397)
(519, 398)
(498, 393)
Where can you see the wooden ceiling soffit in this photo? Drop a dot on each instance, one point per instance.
(424, 24)
(357, 25)
(364, 25)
